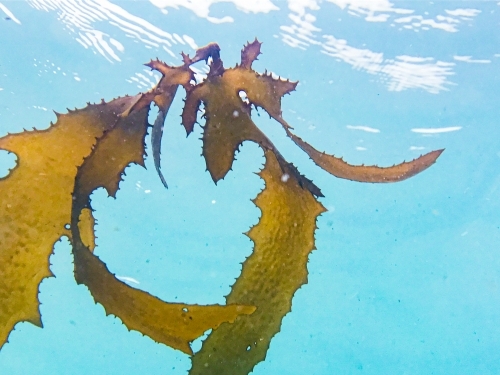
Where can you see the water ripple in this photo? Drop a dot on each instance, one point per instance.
(83, 18)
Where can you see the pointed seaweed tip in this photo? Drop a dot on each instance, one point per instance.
(439, 152)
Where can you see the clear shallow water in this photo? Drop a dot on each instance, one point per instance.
(406, 276)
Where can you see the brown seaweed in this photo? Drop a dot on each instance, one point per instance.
(284, 236)
(48, 196)
(35, 203)
(174, 324)
(97, 143)
(270, 276)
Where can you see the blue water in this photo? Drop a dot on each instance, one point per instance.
(406, 276)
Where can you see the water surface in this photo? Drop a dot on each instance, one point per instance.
(405, 279)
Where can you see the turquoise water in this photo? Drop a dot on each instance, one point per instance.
(405, 278)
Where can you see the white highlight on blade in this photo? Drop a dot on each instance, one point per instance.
(128, 279)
